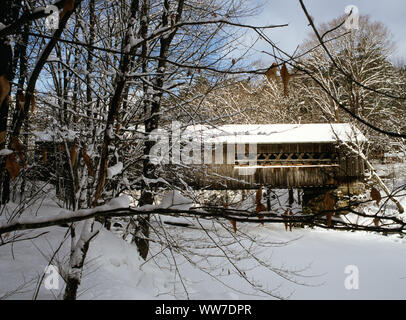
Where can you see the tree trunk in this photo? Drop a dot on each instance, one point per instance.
(9, 13)
(151, 112)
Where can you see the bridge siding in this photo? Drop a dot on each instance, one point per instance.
(350, 168)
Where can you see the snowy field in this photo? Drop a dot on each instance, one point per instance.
(302, 264)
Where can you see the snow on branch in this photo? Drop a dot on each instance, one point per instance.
(116, 209)
(36, 14)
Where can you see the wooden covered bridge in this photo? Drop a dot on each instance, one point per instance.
(312, 157)
(281, 156)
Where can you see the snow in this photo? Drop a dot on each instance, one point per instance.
(266, 133)
(324, 255)
(114, 270)
(123, 201)
(175, 200)
(5, 152)
(43, 136)
(42, 215)
(279, 133)
(114, 170)
(50, 135)
(285, 166)
(395, 155)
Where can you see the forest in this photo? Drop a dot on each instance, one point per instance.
(89, 90)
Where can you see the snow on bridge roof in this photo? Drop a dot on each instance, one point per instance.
(281, 133)
(250, 133)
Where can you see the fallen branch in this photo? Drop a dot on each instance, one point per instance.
(107, 211)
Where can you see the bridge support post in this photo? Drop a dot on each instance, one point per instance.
(268, 199)
(313, 199)
(291, 197)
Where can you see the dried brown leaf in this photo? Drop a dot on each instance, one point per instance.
(19, 148)
(16, 144)
(285, 79)
(376, 195)
(172, 21)
(234, 224)
(329, 217)
(260, 208)
(271, 72)
(21, 100)
(68, 5)
(258, 196)
(33, 103)
(4, 88)
(329, 202)
(329, 205)
(12, 166)
(88, 162)
(73, 154)
(3, 136)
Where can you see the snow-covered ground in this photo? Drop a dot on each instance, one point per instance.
(115, 271)
(316, 260)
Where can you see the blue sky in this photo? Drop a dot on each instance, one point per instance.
(390, 12)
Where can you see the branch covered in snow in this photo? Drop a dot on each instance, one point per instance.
(27, 16)
(394, 224)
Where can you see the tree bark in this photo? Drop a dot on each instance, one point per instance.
(151, 111)
(75, 274)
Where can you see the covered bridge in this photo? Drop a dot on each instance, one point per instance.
(280, 156)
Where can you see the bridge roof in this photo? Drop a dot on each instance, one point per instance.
(280, 133)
